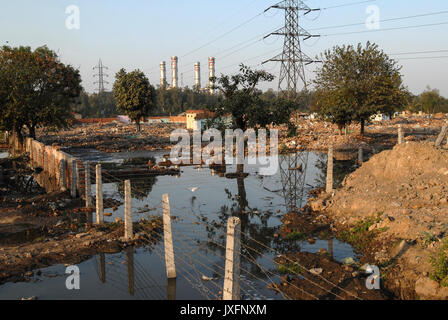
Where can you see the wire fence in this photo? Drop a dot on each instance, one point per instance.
(200, 261)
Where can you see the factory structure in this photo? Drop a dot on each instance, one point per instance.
(197, 75)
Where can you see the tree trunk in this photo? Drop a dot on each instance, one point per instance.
(363, 123)
(32, 131)
(138, 126)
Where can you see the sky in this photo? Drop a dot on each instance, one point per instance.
(139, 34)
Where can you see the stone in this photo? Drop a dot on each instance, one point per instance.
(425, 287)
(316, 271)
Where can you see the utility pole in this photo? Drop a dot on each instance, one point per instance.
(100, 76)
(292, 58)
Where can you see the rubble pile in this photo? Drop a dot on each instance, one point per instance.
(318, 135)
(112, 137)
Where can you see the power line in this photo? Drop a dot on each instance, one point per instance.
(384, 20)
(417, 52)
(348, 4)
(422, 58)
(222, 35)
(386, 29)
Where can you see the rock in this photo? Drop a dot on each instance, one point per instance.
(29, 273)
(322, 251)
(316, 271)
(311, 241)
(349, 261)
(80, 235)
(118, 219)
(29, 298)
(205, 278)
(425, 287)
(108, 214)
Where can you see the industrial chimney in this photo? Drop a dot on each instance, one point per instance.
(163, 74)
(175, 77)
(197, 75)
(211, 68)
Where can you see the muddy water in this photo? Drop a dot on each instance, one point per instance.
(202, 202)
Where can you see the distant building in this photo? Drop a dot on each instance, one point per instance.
(196, 119)
(77, 116)
(380, 117)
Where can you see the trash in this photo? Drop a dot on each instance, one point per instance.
(316, 271)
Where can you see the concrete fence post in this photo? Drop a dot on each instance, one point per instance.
(168, 238)
(128, 231)
(231, 289)
(329, 188)
(400, 134)
(74, 182)
(99, 196)
(441, 136)
(360, 156)
(62, 176)
(88, 186)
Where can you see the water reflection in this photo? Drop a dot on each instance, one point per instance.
(200, 227)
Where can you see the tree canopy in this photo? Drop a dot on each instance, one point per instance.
(36, 89)
(355, 83)
(134, 95)
(247, 105)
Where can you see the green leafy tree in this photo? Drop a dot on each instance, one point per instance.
(242, 99)
(134, 95)
(430, 102)
(36, 90)
(355, 83)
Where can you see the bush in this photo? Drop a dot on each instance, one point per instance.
(439, 264)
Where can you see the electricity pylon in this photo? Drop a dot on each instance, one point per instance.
(292, 70)
(100, 76)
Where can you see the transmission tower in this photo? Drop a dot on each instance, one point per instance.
(292, 58)
(101, 75)
(293, 170)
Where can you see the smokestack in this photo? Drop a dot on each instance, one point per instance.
(175, 77)
(163, 74)
(197, 75)
(211, 68)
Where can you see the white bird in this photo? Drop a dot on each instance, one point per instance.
(193, 189)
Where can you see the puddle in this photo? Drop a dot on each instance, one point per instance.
(202, 202)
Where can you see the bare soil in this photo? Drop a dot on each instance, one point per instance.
(395, 208)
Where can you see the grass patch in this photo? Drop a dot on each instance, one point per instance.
(439, 263)
(359, 236)
(429, 238)
(290, 269)
(296, 235)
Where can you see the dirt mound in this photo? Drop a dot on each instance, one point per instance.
(403, 162)
(400, 194)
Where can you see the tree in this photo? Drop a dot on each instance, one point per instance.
(430, 102)
(355, 83)
(242, 99)
(36, 89)
(134, 95)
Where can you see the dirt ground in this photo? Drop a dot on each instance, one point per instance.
(394, 208)
(318, 135)
(112, 137)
